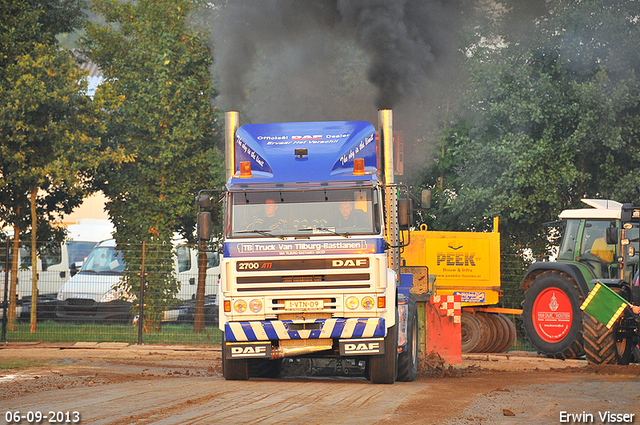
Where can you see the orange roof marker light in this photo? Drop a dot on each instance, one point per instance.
(358, 167)
(245, 170)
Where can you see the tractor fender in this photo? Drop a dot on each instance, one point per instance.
(542, 266)
(621, 287)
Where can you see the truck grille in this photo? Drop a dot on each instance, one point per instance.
(322, 275)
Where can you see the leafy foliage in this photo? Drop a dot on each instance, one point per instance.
(44, 112)
(157, 91)
(546, 121)
(44, 116)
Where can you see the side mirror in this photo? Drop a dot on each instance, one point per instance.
(611, 236)
(629, 212)
(204, 226)
(75, 268)
(204, 201)
(405, 214)
(425, 200)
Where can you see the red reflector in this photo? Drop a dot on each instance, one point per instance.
(245, 169)
(358, 166)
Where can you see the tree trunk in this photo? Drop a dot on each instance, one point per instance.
(11, 314)
(34, 261)
(199, 322)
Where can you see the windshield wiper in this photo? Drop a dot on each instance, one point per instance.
(325, 229)
(266, 232)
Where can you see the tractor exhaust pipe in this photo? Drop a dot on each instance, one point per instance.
(231, 124)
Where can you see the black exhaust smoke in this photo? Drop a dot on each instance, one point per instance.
(409, 43)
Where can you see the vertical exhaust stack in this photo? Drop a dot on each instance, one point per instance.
(385, 130)
(385, 147)
(231, 124)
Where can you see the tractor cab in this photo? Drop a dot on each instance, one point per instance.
(630, 247)
(590, 238)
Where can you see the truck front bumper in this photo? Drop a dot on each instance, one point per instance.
(304, 329)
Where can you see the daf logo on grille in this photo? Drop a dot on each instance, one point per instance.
(358, 262)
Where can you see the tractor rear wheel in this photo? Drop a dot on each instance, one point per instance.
(551, 315)
(600, 344)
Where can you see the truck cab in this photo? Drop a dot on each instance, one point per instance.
(306, 242)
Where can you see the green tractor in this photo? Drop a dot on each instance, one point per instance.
(598, 244)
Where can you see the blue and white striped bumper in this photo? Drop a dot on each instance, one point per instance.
(328, 328)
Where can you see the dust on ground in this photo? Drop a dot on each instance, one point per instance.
(509, 388)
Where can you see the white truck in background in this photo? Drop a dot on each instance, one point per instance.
(93, 294)
(57, 266)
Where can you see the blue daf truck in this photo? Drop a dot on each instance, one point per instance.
(311, 243)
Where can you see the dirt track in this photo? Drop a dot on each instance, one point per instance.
(147, 384)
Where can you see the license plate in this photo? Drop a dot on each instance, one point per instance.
(303, 304)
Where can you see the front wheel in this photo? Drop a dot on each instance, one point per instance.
(237, 370)
(383, 369)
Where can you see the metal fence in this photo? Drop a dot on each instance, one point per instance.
(512, 270)
(92, 305)
(154, 296)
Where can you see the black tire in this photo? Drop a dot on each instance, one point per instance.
(383, 369)
(500, 335)
(510, 335)
(496, 339)
(408, 360)
(236, 370)
(551, 291)
(471, 331)
(600, 344)
(260, 368)
(501, 343)
(488, 333)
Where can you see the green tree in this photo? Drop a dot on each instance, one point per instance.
(546, 121)
(44, 119)
(155, 63)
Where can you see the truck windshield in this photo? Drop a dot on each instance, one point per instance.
(300, 213)
(103, 259)
(79, 251)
